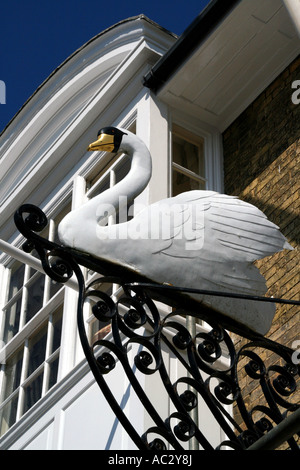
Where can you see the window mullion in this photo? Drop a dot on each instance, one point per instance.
(47, 286)
(46, 296)
(187, 172)
(23, 377)
(2, 382)
(24, 298)
(50, 333)
(13, 299)
(23, 308)
(5, 275)
(46, 376)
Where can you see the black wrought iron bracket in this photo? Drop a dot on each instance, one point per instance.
(136, 322)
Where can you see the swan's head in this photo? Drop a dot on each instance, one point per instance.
(108, 140)
(115, 139)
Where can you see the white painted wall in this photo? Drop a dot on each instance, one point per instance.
(74, 416)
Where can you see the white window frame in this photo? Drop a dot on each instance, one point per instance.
(213, 151)
(21, 341)
(28, 330)
(193, 139)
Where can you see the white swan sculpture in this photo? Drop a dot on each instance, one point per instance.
(198, 239)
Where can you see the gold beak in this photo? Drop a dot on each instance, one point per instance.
(105, 143)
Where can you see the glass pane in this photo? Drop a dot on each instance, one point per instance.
(35, 296)
(53, 373)
(122, 168)
(182, 183)
(12, 320)
(54, 287)
(57, 324)
(188, 155)
(37, 350)
(33, 392)
(101, 187)
(16, 280)
(13, 370)
(8, 415)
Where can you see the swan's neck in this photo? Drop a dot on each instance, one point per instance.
(124, 192)
(78, 228)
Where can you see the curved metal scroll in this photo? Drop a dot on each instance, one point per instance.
(136, 324)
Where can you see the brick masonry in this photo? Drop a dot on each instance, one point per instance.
(261, 166)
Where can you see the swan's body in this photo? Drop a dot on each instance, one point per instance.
(198, 239)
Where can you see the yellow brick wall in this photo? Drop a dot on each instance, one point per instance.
(262, 166)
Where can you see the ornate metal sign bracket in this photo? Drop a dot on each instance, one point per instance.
(136, 324)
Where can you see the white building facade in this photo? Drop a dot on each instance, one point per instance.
(49, 398)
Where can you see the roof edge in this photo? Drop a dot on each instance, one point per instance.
(198, 31)
(77, 51)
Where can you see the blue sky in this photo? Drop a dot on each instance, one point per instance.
(37, 36)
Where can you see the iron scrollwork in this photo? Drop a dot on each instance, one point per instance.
(137, 325)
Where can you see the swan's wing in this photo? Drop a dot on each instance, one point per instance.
(221, 225)
(206, 240)
(243, 230)
(182, 229)
(210, 242)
